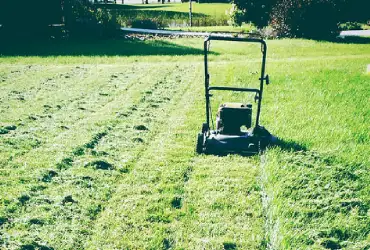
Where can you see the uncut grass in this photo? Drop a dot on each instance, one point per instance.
(320, 196)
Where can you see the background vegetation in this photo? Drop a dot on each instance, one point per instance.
(29, 18)
(170, 15)
(319, 19)
(302, 18)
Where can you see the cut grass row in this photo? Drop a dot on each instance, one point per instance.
(49, 179)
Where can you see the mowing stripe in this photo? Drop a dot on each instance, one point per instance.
(164, 200)
(149, 197)
(223, 211)
(65, 139)
(68, 182)
(270, 227)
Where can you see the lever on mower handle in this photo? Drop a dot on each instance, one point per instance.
(267, 78)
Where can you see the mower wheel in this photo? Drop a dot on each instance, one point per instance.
(200, 141)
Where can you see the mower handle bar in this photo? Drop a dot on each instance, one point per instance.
(235, 89)
(262, 78)
(237, 39)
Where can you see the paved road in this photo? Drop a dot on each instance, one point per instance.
(186, 33)
(140, 1)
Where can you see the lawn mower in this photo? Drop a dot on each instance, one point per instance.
(228, 137)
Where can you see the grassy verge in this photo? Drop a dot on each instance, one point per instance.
(165, 15)
(354, 26)
(97, 147)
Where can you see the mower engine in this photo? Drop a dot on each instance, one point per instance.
(232, 116)
(228, 136)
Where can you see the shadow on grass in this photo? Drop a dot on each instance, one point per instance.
(119, 47)
(290, 146)
(349, 40)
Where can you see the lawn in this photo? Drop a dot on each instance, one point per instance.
(171, 15)
(211, 9)
(97, 147)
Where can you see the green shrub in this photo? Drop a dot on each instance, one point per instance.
(145, 24)
(86, 20)
(256, 11)
(350, 26)
(303, 18)
(236, 16)
(29, 18)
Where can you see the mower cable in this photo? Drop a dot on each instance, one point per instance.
(210, 111)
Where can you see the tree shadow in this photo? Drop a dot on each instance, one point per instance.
(94, 47)
(284, 145)
(348, 40)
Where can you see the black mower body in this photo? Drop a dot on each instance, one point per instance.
(248, 143)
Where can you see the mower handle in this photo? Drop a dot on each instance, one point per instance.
(238, 39)
(257, 91)
(262, 78)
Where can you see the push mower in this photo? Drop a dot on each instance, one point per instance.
(228, 136)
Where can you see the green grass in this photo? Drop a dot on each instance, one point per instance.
(365, 26)
(354, 26)
(210, 9)
(172, 15)
(102, 152)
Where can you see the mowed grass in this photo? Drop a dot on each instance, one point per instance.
(97, 148)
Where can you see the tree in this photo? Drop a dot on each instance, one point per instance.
(84, 19)
(29, 18)
(302, 18)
